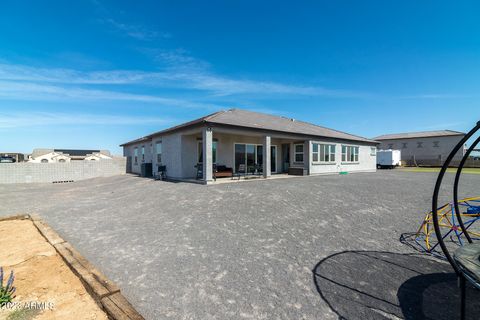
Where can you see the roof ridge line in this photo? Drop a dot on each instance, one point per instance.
(316, 125)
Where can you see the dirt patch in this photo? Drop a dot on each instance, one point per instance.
(41, 276)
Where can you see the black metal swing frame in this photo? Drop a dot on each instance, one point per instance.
(462, 273)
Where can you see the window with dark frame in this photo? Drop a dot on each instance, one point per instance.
(200, 151)
(158, 147)
(298, 150)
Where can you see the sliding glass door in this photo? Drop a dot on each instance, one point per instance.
(251, 155)
(273, 159)
(240, 155)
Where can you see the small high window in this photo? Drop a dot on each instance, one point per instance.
(61, 160)
(404, 145)
(159, 151)
(419, 144)
(435, 144)
(44, 161)
(390, 146)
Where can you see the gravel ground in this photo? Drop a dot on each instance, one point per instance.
(319, 247)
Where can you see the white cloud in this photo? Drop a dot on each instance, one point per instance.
(33, 91)
(135, 31)
(184, 73)
(436, 96)
(17, 120)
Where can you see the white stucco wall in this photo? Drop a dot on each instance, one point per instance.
(366, 161)
(52, 157)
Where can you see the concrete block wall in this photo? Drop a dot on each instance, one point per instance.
(25, 172)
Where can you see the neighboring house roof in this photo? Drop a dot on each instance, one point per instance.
(421, 134)
(40, 152)
(60, 155)
(256, 120)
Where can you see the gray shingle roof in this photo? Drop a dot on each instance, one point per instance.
(256, 120)
(421, 134)
(250, 119)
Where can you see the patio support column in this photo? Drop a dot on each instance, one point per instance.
(207, 145)
(267, 169)
(307, 150)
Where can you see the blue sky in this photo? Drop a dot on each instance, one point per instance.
(94, 74)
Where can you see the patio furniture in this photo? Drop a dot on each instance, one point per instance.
(221, 171)
(258, 170)
(161, 173)
(465, 260)
(199, 167)
(242, 170)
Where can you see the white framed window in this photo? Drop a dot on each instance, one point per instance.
(158, 150)
(323, 152)
(373, 151)
(350, 153)
(298, 152)
(143, 153)
(135, 153)
(315, 152)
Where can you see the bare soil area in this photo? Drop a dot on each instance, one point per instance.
(45, 287)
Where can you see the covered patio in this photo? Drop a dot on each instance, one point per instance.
(241, 154)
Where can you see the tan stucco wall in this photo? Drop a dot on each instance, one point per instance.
(180, 152)
(428, 151)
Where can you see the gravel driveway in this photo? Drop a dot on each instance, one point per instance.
(319, 247)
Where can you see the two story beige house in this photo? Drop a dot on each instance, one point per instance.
(423, 148)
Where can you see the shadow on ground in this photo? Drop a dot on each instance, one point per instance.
(386, 285)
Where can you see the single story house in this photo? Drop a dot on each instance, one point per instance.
(423, 148)
(47, 156)
(97, 156)
(249, 141)
(67, 155)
